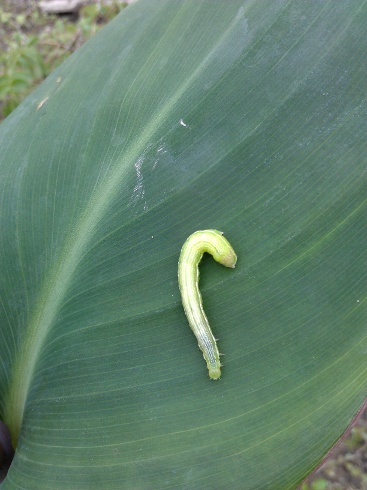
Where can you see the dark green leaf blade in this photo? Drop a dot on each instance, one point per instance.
(248, 117)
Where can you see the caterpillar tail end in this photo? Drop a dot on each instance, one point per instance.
(214, 372)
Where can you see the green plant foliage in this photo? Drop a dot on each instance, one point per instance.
(247, 117)
(346, 466)
(34, 45)
(22, 67)
(319, 484)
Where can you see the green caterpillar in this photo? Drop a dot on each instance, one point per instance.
(212, 242)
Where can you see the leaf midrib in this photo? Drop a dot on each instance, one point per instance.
(60, 277)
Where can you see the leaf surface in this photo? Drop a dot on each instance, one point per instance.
(247, 117)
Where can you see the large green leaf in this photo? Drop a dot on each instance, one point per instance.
(244, 116)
